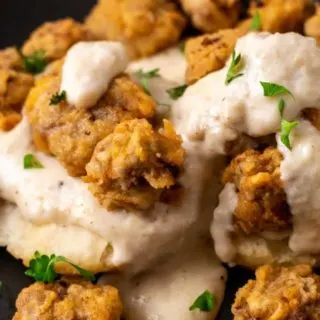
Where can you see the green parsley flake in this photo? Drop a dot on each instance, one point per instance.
(205, 302)
(235, 68)
(286, 126)
(36, 63)
(31, 162)
(272, 89)
(58, 97)
(182, 46)
(177, 92)
(256, 22)
(145, 76)
(41, 268)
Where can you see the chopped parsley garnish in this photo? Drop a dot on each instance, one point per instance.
(235, 68)
(205, 302)
(177, 92)
(145, 76)
(182, 47)
(58, 97)
(286, 126)
(41, 268)
(35, 63)
(256, 22)
(272, 89)
(31, 162)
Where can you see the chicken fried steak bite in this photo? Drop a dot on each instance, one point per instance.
(71, 133)
(262, 202)
(55, 38)
(15, 84)
(68, 299)
(132, 166)
(312, 25)
(212, 15)
(144, 26)
(279, 293)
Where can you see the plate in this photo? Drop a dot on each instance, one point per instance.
(17, 19)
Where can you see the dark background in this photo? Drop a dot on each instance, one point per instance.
(17, 19)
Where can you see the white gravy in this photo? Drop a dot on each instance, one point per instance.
(169, 290)
(88, 69)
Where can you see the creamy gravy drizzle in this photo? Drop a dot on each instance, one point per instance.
(215, 113)
(88, 69)
(169, 290)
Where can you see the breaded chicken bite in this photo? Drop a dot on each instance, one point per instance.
(71, 134)
(15, 85)
(210, 52)
(132, 166)
(312, 25)
(68, 300)
(212, 15)
(262, 204)
(55, 38)
(279, 293)
(144, 26)
(281, 15)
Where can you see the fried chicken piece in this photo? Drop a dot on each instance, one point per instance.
(312, 25)
(15, 85)
(210, 52)
(68, 300)
(212, 15)
(281, 15)
(279, 293)
(71, 134)
(133, 165)
(56, 38)
(144, 26)
(262, 204)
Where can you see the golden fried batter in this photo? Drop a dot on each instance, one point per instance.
(208, 53)
(55, 38)
(144, 26)
(71, 134)
(261, 199)
(312, 25)
(133, 165)
(212, 15)
(68, 300)
(279, 293)
(15, 85)
(281, 15)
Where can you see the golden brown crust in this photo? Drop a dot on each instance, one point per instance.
(144, 26)
(281, 15)
(15, 85)
(208, 53)
(55, 38)
(312, 25)
(279, 293)
(132, 166)
(71, 134)
(262, 204)
(212, 15)
(68, 300)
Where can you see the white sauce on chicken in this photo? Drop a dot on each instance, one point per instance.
(215, 113)
(88, 69)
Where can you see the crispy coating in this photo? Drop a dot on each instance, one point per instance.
(280, 293)
(144, 26)
(15, 85)
(68, 300)
(212, 15)
(312, 25)
(55, 38)
(210, 52)
(71, 134)
(281, 15)
(262, 202)
(133, 165)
